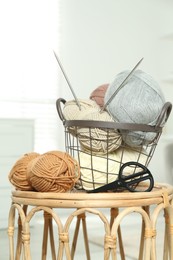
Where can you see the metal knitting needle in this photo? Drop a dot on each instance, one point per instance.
(121, 85)
(67, 80)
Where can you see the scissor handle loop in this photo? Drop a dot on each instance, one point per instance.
(126, 180)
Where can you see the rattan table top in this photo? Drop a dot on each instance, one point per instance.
(161, 193)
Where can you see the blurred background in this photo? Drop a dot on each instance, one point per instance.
(95, 40)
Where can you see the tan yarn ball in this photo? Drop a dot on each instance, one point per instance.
(18, 173)
(54, 171)
(98, 139)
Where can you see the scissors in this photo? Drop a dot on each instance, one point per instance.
(131, 182)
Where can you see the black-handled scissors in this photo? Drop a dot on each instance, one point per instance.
(140, 180)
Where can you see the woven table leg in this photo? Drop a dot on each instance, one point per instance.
(52, 242)
(11, 223)
(45, 235)
(81, 217)
(141, 249)
(154, 218)
(147, 228)
(48, 228)
(76, 232)
(171, 232)
(19, 240)
(167, 243)
(168, 246)
(114, 214)
(19, 235)
(11, 231)
(165, 253)
(80, 212)
(26, 241)
(166, 237)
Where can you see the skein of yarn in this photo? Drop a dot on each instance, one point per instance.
(99, 140)
(71, 111)
(140, 100)
(54, 171)
(98, 94)
(97, 171)
(18, 173)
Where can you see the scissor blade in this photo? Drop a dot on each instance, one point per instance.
(110, 186)
(122, 84)
(135, 175)
(67, 80)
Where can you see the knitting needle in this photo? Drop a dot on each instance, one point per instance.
(121, 85)
(67, 80)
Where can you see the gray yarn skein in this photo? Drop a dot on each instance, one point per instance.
(140, 100)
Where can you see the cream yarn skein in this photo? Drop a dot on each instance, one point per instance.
(71, 111)
(96, 140)
(97, 171)
(99, 140)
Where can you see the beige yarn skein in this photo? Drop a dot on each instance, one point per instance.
(96, 139)
(18, 173)
(71, 111)
(54, 171)
(97, 171)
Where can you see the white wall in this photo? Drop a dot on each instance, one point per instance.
(99, 38)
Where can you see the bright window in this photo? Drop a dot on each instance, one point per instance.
(29, 72)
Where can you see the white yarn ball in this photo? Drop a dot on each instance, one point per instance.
(98, 139)
(139, 101)
(104, 169)
(71, 110)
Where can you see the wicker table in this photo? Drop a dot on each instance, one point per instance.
(120, 205)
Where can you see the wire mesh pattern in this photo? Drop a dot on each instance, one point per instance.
(100, 167)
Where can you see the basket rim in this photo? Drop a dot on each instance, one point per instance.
(157, 128)
(112, 125)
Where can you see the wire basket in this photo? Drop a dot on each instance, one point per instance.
(101, 148)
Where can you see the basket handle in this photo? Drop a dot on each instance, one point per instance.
(59, 109)
(165, 112)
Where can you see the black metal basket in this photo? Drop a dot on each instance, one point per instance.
(100, 167)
